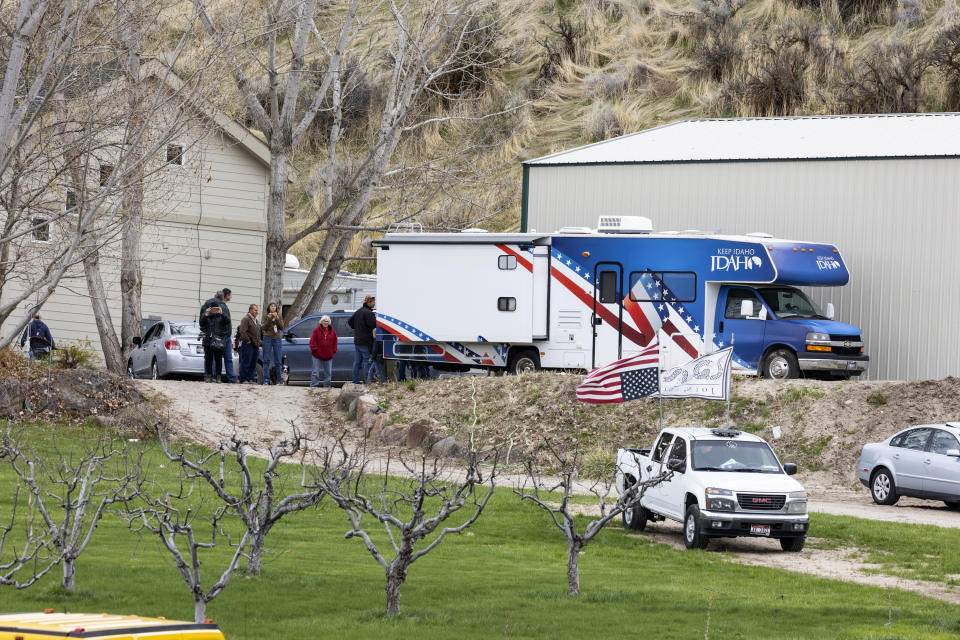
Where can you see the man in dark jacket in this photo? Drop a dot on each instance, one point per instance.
(364, 325)
(220, 299)
(41, 340)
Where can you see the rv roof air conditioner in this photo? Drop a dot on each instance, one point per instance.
(624, 224)
(575, 230)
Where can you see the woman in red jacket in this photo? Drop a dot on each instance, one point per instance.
(323, 346)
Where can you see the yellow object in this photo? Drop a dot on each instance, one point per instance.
(51, 624)
(816, 347)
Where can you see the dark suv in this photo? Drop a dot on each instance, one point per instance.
(296, 347)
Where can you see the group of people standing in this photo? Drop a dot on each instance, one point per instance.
(252, 335)
(323, 346)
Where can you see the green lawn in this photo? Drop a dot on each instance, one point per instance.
(504, 578)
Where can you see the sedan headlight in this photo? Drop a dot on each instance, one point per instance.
(719, 499)
(797, 502)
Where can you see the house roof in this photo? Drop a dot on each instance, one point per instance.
(923, 135)
(236, 131)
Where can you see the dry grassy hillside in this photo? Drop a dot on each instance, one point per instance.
(823, 424)
(573, 72)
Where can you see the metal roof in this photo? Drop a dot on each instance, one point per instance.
(920, 135)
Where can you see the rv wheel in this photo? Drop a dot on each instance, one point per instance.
(525, 361)
(781, 365)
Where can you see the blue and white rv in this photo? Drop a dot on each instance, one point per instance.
(582, 298)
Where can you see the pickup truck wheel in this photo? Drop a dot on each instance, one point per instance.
(793, 544)
(691, 529)
(883, 488)
(635, 518)
(781, 365)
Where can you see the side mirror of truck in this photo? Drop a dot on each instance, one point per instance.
(790, 468)
(677, 464)
(136, 341)
(830, 311)
(746, 308)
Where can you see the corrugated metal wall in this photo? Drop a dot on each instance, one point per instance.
(897, 223)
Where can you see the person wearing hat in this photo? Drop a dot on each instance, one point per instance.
(38, 333)
(364, 325)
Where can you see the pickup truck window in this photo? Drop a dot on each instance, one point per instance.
(679, 450)
(734, 456)
(661, 447)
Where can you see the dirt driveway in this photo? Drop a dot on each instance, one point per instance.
(206, 413)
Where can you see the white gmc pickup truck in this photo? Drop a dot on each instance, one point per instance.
(725, 483)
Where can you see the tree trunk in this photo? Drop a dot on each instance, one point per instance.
(394, 581)
(131, 201)
(573, 569)
(112, 353)
(276, 226)
(332, 268)
(256, 554)
(69, 574)
(199, 609)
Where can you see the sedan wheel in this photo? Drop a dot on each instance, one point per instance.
(154, 371)
(883, 489)
(130, 373)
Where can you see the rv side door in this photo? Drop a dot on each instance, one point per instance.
(607, 316)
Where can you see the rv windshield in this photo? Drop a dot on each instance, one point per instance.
(787, 302)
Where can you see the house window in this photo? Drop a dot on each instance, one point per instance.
(175, 154)
(507, 262)
(105, 172)
(506, 304)
(71, 202)
(41, 229)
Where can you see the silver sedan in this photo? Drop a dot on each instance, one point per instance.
(169, 347)
(922, 462)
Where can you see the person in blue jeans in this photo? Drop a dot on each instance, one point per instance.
(272, 325)
(364, 324)
(220, 299)
(323, 346)
(375, 368)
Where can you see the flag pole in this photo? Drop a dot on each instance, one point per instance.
(732, 336)
(659, 370)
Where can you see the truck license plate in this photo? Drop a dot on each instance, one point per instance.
(760, 530)
(851, 365)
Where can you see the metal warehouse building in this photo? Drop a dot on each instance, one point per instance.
(884, 188)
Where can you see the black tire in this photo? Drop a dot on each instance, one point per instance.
(635, 518)
(882, 487)
(130, 373)
(793, 544)
(154, 370)
(781, 364)
(691, 529)
(953, 506)
(525, 361)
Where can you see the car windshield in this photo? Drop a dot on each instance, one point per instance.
(734, 456)
(787, 302)
(185, 329)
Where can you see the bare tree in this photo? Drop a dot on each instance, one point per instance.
(537, 486)
(178, 519)
(259, 504)
(72, 488)
(26, 557)
(411, 507)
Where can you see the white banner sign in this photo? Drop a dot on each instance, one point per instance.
(706, 377)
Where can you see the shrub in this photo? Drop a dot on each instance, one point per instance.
(716, 32)
(945, 58)
(876, 399)
(855, 13)
(476, 57)
(887, 79)
(79, 355)
(602, 123)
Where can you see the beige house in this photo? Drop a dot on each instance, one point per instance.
(204, 229)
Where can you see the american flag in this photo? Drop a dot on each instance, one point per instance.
(627, 379)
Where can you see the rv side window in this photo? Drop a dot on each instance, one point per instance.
(608, 287)
(507, 262)
(507, 304)
(672, 286)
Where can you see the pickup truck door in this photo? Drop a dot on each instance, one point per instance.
(652, 498)
(943, 471)
(672, 490)
(745, 331)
